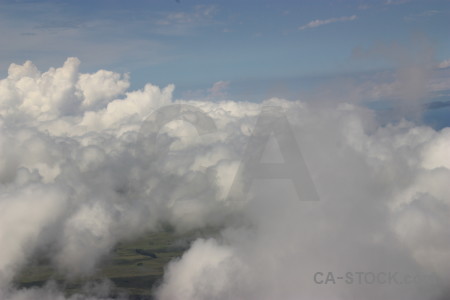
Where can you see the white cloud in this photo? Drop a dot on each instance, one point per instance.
(317, 23)
(444, 64)
(82, 160)
(100, 88)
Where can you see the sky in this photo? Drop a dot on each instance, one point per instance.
(256, 48)
(121, 118)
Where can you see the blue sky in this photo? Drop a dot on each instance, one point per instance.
(253, 47)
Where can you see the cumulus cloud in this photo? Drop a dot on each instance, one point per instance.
(318, 22)
(218, 90)
(85, 164)
(444, 64)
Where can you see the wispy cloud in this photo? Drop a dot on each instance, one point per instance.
(363, 6)
(182, 22)
(396, 2)
(317, 23)
(424, 14)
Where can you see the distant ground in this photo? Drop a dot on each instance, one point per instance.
(133, 267)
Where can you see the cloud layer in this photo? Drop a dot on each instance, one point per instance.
(85, 163)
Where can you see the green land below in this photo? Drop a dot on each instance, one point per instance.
(134, 267)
